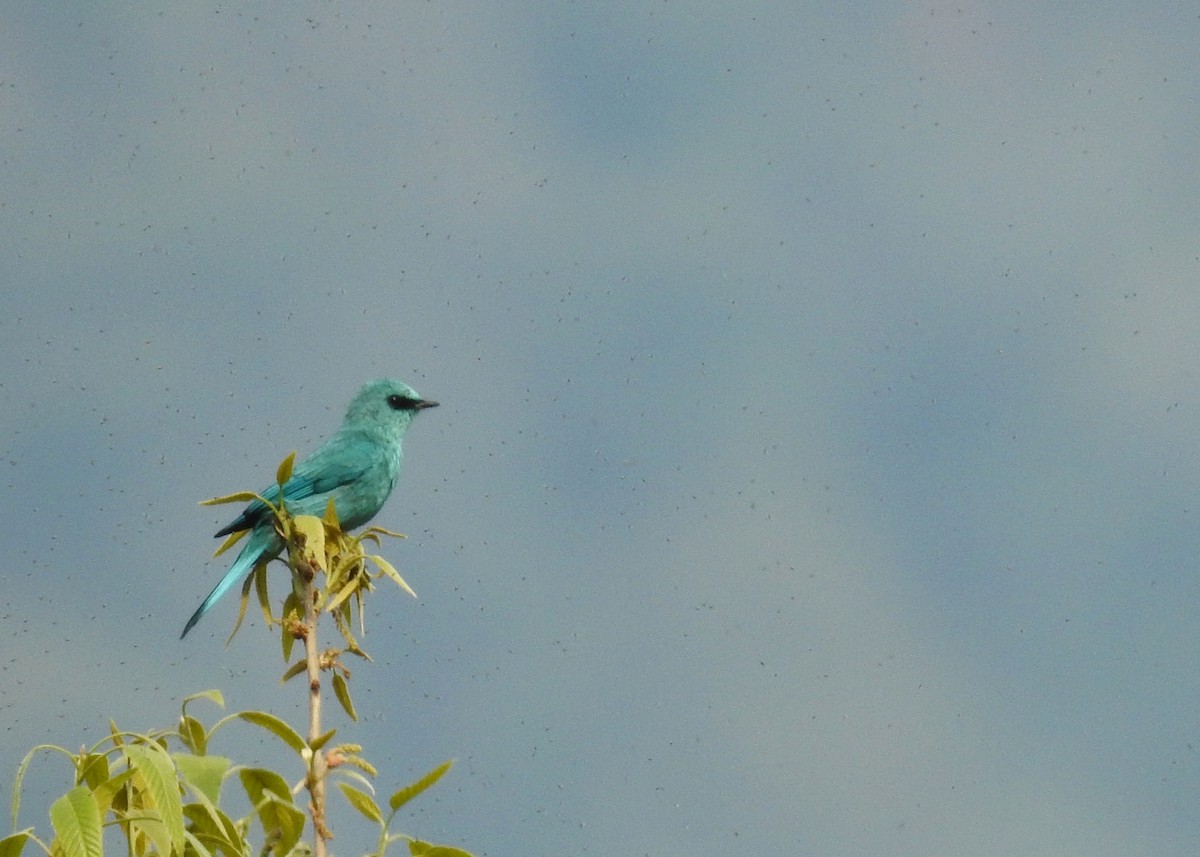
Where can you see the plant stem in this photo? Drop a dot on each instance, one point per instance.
(317, 767)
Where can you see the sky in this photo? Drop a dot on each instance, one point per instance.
(815, 466)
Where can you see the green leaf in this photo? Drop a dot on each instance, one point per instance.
(407, 793)
(154, 766)
(211, 695)
(213, 830)
(272, 801)
(284, 472)
(92, 769)
(10, 846)
(245, 600)
(192, 734)
(362, 801)
(294, 670)
(342, 691)
(15, 803)
(262, 591)
(293, 611)
(76, 822)
(260, 783)
(427, 849)
(203, 773)
(20, 777)
(321, 740)
(276, 727)
(107, 792)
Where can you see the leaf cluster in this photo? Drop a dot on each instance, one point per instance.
(162, 793)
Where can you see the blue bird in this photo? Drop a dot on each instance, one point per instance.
(357, 467)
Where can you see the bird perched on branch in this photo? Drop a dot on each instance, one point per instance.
(357, 467)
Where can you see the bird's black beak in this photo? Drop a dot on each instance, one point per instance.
(423, 404)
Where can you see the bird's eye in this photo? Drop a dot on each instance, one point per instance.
(400, 403)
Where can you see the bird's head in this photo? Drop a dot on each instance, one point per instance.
(385, 405)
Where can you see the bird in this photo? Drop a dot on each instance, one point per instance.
(356, 467)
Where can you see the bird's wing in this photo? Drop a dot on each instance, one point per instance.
(333, 465)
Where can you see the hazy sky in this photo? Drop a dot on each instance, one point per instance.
(815, 469)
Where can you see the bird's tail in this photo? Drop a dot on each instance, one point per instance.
(255, 550)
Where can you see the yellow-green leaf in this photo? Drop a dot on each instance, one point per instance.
(313, 530)
(409, 792)
(360, 763)
(230, 540)
(76, 822)
(238, 497)
(203, 773)
(386, 568)
(154, 766)
(342, 692)
(331, 515)
(386, 532)
(362, 801)
(284, 472)
(276, 727)
(341, 595)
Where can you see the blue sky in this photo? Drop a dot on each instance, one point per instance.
(814, 472)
